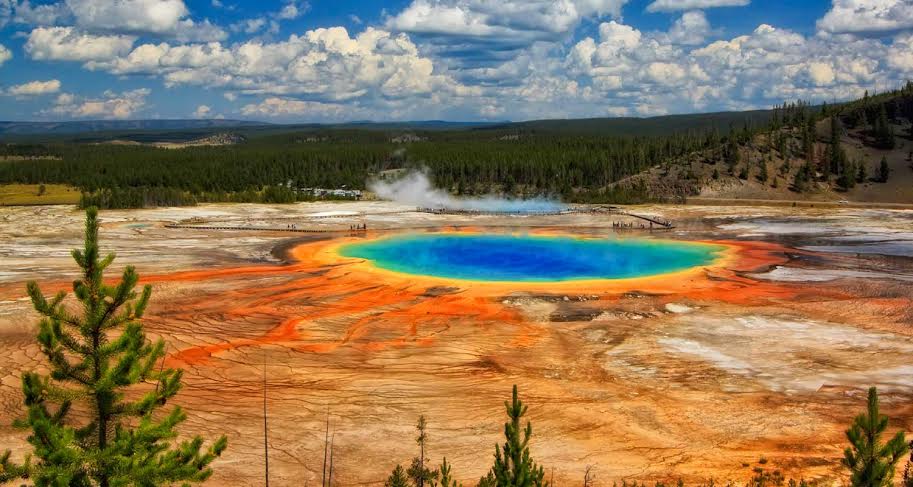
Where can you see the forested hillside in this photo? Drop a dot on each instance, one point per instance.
(515, 161)
(856, 151)
(795, 151)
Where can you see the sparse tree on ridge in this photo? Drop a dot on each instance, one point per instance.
(861, 172)
(763, 175)
(122, 442)
(836, 155)
(847, 178)
(884, 132)
(871, 463)
(884, 171)
(733, 157)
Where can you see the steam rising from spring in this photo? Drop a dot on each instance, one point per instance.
(416, 189)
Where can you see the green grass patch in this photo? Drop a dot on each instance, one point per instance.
(31, 194)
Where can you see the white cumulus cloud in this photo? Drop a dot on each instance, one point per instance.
(858, 16)
(467, 33)
(34, 88)
(275, 107)
(690, 29)
(164, 18)
(67, 44)
(653, 72)
(322, 64)
(675, 5)
(202, 111)
(110, 105)
(5, 54)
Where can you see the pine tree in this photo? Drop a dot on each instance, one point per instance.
(884, 172)
(847, 178)
(763, 175)
(488, 480)
(9, 471)
(122, 442)
(861, 173)
(446, 476)
(908, 470)
(884, 132)
(870, 462)
(837, 156)
(397, 478)
(417, 471)
(513, 466)
(802, 177)
(808, 140)
(732, 154)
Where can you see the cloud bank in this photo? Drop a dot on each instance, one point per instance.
(468, 59)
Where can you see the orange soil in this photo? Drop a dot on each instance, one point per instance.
(378, 348)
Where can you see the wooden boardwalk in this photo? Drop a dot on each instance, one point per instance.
(260, 229)
(659, 224)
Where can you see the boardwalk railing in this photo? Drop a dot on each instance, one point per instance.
(456, 211)
(260, 229)
(662, 224)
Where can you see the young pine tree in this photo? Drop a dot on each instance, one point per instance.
(836, 155)
(97, 357)
(513, 466)
(861, 173)
(763, 175)
(446, 476)
(397, 478)
(884, 172)
(847, 178)
(488, 480)
(870, 462)
(884, 132)
(908, 470)
(733, 157)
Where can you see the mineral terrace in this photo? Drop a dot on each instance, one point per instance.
(694, 375)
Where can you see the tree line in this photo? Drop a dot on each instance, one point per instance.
(513, 162)
(518, 161)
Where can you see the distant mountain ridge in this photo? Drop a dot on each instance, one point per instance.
(619, 126)
(645, 126)
(76, 127)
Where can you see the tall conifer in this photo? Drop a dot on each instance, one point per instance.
(98, 357)
(513, 465)
(870, 462)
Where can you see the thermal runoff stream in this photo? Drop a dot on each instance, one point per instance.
(486, 257)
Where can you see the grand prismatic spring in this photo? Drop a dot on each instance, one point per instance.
(685, 353)
(530, 259)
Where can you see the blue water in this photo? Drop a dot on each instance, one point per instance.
(529, 258)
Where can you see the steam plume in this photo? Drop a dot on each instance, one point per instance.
(415, 189)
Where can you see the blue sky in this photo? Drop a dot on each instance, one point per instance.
(326, 61)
